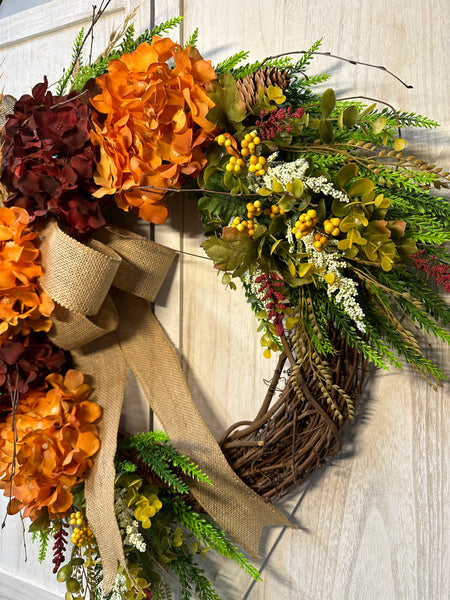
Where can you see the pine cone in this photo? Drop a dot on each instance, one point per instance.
(262, 78)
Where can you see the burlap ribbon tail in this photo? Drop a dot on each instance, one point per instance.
(102, 316)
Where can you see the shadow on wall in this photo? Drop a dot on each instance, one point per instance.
(11, 7)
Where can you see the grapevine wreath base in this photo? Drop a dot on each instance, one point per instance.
(306, 199)
(296, 431)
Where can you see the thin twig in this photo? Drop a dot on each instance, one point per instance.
(397, 118)
(349, 60)
(94, 7)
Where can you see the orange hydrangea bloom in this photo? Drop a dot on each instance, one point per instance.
(56, 440)
(23, 306)
(151, 124)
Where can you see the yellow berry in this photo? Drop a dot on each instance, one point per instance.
(78, 514)
(260, 172)
(308, 222)
(294, 230)
(251, 232)
(252, 169)
(302, 227)
(250, 206)
(240, 162)
(262, 160)
(257, 203)
(221, 140)
(229, 167)
(256, 140)
(323, 240)
(302, 218)
(232, 160)
(236, 168)
(317, 237)
(244, 223)
(328, 227)
(237, 220)
(336, 231)
(245, 152)
(79, 521)
(298, 235)
(227, 143)
(253, 160)
(248, 137)
(244, 144)
(275, 208)
(336, 221)
(240, 227)
(312, 213)
(251, 146)
(272, 215)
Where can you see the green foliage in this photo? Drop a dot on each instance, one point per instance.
(155, 450)
(231, 63)
(193, 39)
(209, 532)
(76, 57)
(193, 580)
(43, 535)
(78, 74)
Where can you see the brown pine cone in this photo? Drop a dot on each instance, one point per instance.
(262, 78)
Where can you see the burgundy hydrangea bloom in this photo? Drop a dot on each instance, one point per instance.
(49, 161)
(24, 363)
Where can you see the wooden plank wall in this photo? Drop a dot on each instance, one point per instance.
(374, 524)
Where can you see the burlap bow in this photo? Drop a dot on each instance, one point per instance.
(101, 291)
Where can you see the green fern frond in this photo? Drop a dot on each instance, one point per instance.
(192, 41)
(209, 532)
(306, 58)
(61, 86)
(231, 63)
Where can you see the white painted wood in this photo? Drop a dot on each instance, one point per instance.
(373, 524)
(34, 43)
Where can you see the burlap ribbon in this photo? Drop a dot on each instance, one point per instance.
(102, 315)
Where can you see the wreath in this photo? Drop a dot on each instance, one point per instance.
(310, 201)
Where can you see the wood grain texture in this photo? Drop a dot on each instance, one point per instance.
(374, 523)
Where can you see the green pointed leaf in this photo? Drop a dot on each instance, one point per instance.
(326, 131)
(366, 111)
(328, 102)
(346, 174)
(361, 186)
(264, 191)
(350, 116)
(276, 186)
(378, 125)
(214, 153)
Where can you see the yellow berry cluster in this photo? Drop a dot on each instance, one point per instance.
(273, 211)
(235, 164)
(254, 209)
(305, 223)
(245, 226)
(320, 241)
(147, 507)
(82, 533)
(332, 226)
(222, 140)
(257, 165)
(249, 143)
